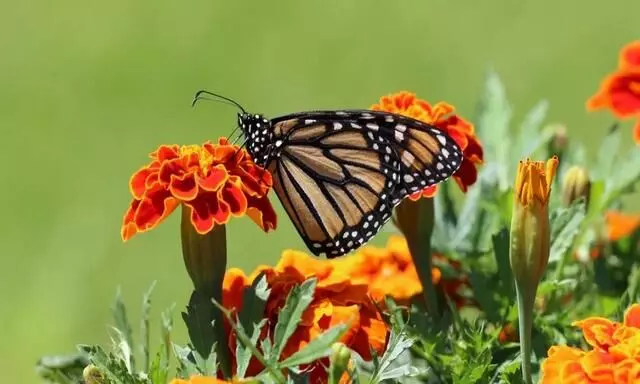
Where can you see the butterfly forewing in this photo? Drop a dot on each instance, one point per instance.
(339, 174)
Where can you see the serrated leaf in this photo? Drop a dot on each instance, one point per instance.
(318, 348)
(492, 123)
(565, 226)
(186, 362)
(289, 317)
(530, 137)
(243, 353)
(123, 326)
(607, 153)
(198, 319)
(254, 300)
(398, 343)
(144, 327)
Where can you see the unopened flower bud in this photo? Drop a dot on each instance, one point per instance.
(92, 375)
(559, 139)
(575, 184)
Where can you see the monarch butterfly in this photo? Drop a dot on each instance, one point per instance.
(339, 174)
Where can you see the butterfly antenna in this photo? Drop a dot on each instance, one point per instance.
(198, 96)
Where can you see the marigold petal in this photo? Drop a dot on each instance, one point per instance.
(232, 195)
(183, 187)
(233, 286)
(632, 316)
(598, 331)
(138, 182)
(627, 371)
(154, 207)
(466, 175)
(620, 224)
(598, 366)
(208, 210)
(630, 55)
(262, 213)
(166, 152)
(214, 180)
(129, 227)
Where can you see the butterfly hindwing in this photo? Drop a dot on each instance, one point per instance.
(334, 182)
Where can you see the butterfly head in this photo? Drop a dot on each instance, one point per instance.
(258, 134)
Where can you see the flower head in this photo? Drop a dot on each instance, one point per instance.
(630, 55)
(614, 357)
(442, 116)
(337, 300)
(215, 181)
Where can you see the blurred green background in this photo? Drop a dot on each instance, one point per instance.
(89, 88)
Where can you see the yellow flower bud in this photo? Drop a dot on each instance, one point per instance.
(575, 184)
(92, 375)
(530, 221)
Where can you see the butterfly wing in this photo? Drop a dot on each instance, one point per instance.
(339, 174)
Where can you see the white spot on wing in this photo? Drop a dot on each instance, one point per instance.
(399, 136)
(441, 139)
(337, 126)
(372, 126)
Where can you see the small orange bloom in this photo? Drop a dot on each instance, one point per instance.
(508, 334)
(391, 271)
(216, 181)
(615, 357)
(620, 93)
(442, 116)
(337, 300)
(630, 55)
(620, 225)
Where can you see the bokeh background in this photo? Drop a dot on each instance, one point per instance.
(88, 88)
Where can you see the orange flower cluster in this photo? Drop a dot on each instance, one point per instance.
(440, 115)
(347, 291)
(615, 357)
(620, 90)
(216, 181)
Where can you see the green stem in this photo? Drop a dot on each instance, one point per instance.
(425, 229)
(526, 298)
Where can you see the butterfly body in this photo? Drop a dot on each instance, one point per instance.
(339, 174)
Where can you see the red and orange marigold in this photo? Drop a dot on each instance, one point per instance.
(336, 300)
(614, 357)
(215, 181)
(440, 115)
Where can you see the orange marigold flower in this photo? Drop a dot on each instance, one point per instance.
(615, 357)
(620, 225)
(620, 93)
(440, 115)
(391, 271)
(216, 181)
(630, 55)
(337, 300)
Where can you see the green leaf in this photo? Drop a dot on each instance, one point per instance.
(565, 226)
(317, 348)
(608, 153)
(530, 138)
(186, 361)
(492, 123)
(144, 328)
(62, 369)
(254, 300)
(243, 353)
(198, 318)
(625, 174)
(123, 327)
(398, 343)
(159, 371)
(297, 301)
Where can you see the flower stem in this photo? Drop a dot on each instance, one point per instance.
(424, 264)
(526, 298)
